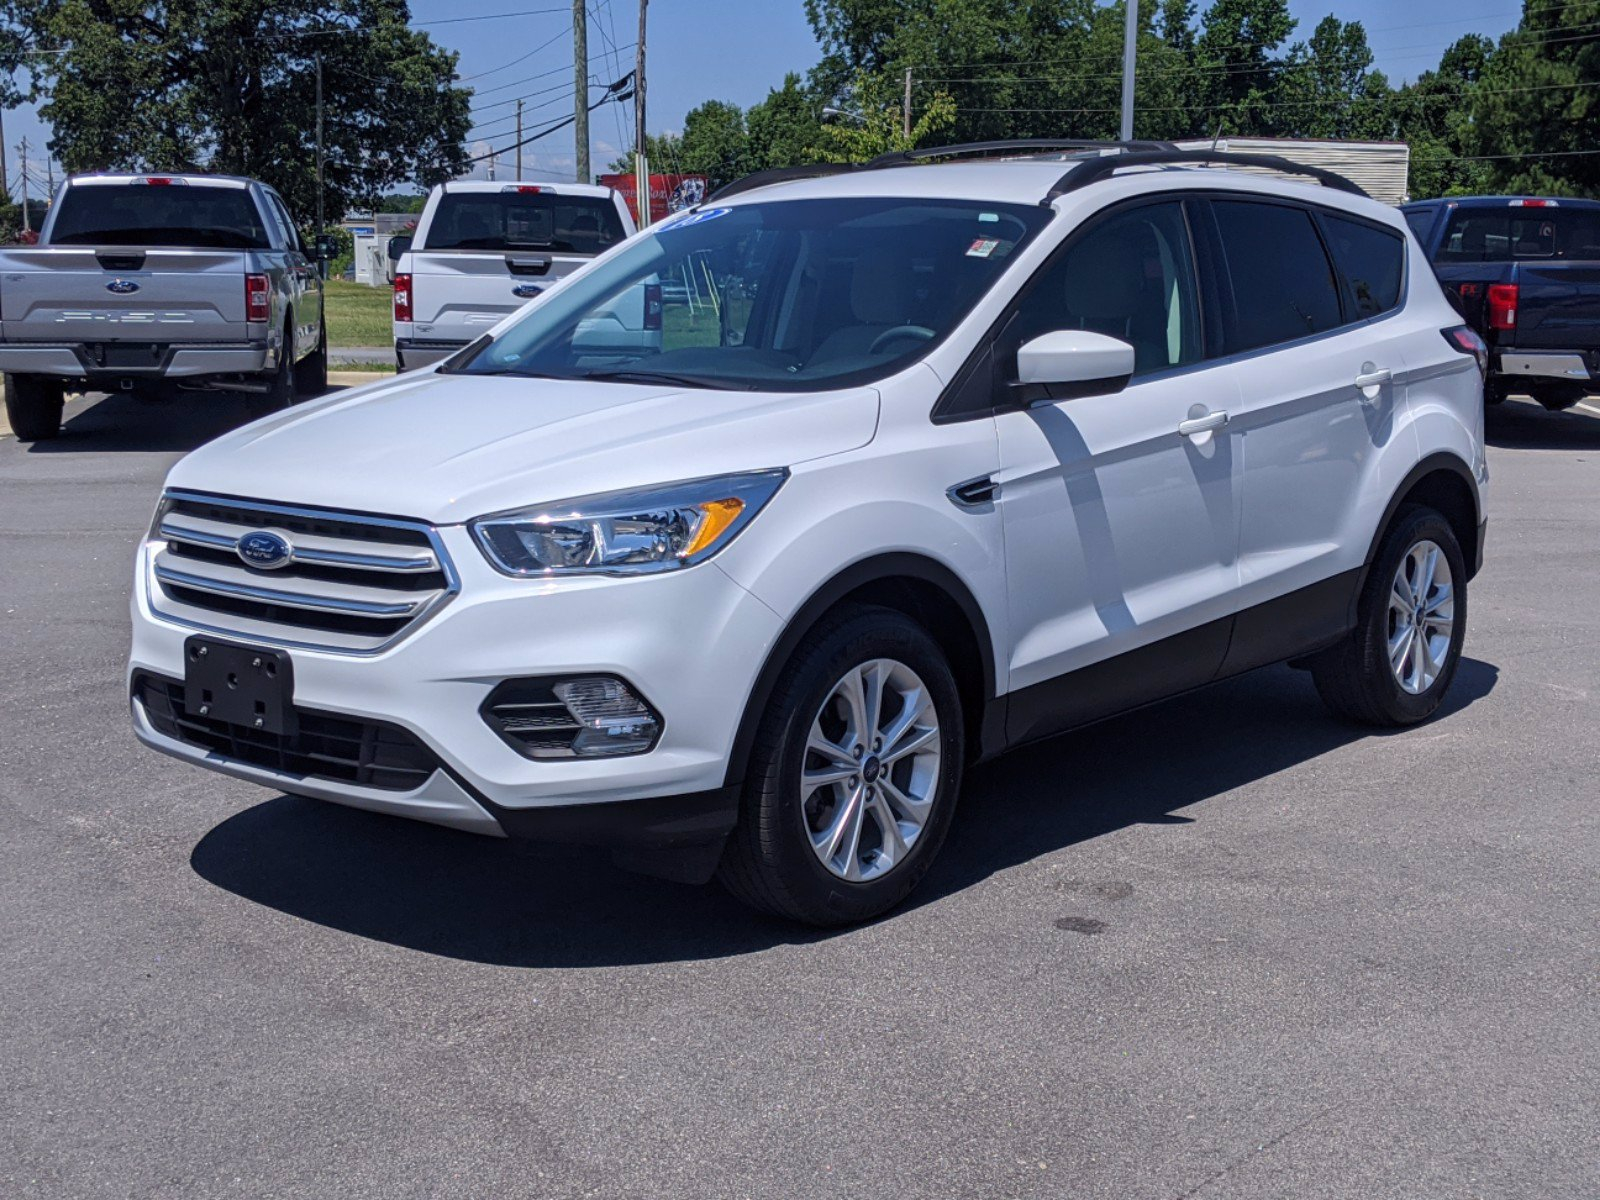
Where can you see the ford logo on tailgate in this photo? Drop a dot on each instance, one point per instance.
(525, 291)
(265, 550)
(122, 287)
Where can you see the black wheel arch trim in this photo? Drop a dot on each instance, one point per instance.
(1440, 460)
(879, 568)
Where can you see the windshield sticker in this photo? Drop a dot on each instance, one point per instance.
(982, 247)
(696, 218)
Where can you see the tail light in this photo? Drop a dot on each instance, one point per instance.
(652, 306)
(257, 299)
(1466, 340)
(402, 297)
(1503, 305)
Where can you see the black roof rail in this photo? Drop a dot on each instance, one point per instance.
(1092, 170)
(779, 175)
(901, 158)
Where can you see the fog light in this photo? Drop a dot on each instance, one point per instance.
(611, 719)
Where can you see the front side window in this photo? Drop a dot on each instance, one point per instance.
(1130, 277)
(1284, 287)
(165, 214)
(1372, 260)
(790, 295)
(524, 219)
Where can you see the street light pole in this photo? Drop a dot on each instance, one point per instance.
(580, 86)
(1130, 45)
(641, 161)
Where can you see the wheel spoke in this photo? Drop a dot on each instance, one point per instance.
(1402, 589)
(1427, 669)
(845, 827)
(894, 846)
(1443, 596)
(874, 680)
(855, 699)
(902, 737)
(836, 754)
(825, 776)
(1399, 645)
(1425, 569)
(914, 811)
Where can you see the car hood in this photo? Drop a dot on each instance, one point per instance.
(446, 448)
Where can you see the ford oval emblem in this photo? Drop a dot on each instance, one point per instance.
(526, 290)
(264, 550)
(122, 287)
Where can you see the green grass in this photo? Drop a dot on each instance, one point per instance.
(358, 315)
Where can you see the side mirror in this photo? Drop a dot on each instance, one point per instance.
(1073, 362)
(398, 245)
(327, 248)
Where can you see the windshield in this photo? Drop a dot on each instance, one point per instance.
(524, 220)
(174, 214)
(786, 296)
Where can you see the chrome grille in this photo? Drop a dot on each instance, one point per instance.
(353, 582)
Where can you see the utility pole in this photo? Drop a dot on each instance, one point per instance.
(50, 176)
(580, 86)
(26, 224)
(641, 161)
(519, 139)
(492, 156)
(906, 111)
(5, 178)
(1130, 44)
(321, 228)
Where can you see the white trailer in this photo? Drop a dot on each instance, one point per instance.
(1380, 169)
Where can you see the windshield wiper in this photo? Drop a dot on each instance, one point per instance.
(626, 376)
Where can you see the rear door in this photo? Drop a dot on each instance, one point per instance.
(483, 255)
(152, 260)
(1318, 355)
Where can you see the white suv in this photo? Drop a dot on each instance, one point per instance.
(931, 461)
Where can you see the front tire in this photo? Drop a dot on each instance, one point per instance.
(34, 405)
(1396, 665)
(311, 372)
(853, 775)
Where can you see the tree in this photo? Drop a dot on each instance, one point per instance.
(229, 86)
(1327, 88)
(786, 127)
(1433, 114)
(874, 123)
(714, 143)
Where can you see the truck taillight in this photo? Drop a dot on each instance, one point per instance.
(402, 297)
(652, 306)
(1503, 306)
(257, 299)
(1465, 339)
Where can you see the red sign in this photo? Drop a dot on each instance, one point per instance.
(668, 193)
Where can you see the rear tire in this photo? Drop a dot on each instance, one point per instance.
(280, 386)
(1494, 392)
(34, 406)
(311, 372)
(836, 851)
(1396, 665)
(1557, 396)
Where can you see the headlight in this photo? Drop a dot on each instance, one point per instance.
(627, 533)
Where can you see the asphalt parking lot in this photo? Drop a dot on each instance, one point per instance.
(1224, 947)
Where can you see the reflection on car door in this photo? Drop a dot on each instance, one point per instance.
(1121, 532)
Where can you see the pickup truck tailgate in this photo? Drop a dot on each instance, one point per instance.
(458, 294)
(125, 294)
(1558, 306)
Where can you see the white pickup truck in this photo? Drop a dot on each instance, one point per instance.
(483, 250)
(151, 283)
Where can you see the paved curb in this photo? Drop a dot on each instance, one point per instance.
(357, 378)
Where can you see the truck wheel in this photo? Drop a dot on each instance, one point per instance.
(280, 386)
(853, 775)
(1395, 666)
(311, 372)
(33, 407)
(1494, 392)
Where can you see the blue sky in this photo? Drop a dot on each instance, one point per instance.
(737, 49)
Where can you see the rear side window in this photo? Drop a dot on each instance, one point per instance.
(1283, 285)
(1421, 222)
(1372, 260)
(524, 221)
(1514, 234)
(173, 214)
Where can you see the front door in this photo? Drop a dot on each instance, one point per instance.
(1120, 511)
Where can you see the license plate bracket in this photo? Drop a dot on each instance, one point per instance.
(250, 686)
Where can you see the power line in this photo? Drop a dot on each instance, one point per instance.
(521, 58)
(338, 30)
(612, 96)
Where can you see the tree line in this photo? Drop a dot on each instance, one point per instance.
(1518, 115)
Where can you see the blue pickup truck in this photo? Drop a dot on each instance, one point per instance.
(1525, 273)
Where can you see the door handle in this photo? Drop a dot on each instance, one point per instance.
(974, 493)
(1372, 377)
(1205, 424)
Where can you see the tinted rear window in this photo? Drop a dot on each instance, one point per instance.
(1283, 285)
(1421, 222)
(166, 215)
(524, 221)
(1372, 260)
(1507, 234)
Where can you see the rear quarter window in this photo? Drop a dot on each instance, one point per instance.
(1371, 259)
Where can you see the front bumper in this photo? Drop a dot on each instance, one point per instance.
(691, 642)
(1565, 366)
(90, 362)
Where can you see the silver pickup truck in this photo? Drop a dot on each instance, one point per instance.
(154, 283)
